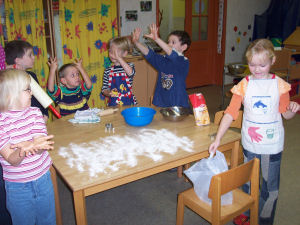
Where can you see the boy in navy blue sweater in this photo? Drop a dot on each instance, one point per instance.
(172, 68)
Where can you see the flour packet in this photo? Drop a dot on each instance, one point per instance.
(200, 109)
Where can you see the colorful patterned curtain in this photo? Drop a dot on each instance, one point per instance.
(86, 27)
(25, 21)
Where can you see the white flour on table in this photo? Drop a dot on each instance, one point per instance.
(109, 153)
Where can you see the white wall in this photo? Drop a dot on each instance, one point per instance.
(144, 18)
(240, 14)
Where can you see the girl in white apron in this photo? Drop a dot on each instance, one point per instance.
(265, 98)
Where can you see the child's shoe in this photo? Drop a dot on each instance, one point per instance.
(241, 220)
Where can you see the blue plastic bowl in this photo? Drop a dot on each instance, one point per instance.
(138, 116)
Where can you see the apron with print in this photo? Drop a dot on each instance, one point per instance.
(262, 130)
(120, 82)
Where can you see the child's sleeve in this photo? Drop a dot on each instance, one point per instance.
(284, 102)
(238, 92)
(85, 91)
(4, 138)
(234, 106)
(159, 62)
(284, 89)
(39, 127)
(240, 88)
(56, 94)
(133, 70)
(105, 79)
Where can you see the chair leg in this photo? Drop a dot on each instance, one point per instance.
(180, 210)
(253, 215)
(186, 166)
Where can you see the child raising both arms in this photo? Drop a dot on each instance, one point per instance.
(265, 98)
(172, 68)
(118, 79)
(23, 153)
(73, 93)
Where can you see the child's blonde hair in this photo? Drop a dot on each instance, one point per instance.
(259, 46)
(122, 43)
(12, 83)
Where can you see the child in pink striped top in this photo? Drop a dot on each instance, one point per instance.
(23, 153)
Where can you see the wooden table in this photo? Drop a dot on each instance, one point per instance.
(82, 185)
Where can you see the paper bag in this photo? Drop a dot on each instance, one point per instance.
(199, 109)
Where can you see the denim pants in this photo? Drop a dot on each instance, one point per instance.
(269, 187)
(31, 202)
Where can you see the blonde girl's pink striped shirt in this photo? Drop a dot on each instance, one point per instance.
(18, 126)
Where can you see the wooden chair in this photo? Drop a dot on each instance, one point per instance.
(235, 124)
(221, 184)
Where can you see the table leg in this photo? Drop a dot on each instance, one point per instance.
(179, 171)
(80, 208)
(56, 196)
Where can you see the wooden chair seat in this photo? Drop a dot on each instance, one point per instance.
(241, 202)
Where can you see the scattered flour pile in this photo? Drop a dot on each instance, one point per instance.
(110, 152)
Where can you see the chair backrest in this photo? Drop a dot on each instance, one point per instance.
(234, 178)
(236, 123)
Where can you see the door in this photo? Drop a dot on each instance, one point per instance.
(200, 19)
(206, 53)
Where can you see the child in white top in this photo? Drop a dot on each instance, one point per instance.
(265, 98)
(23, 155)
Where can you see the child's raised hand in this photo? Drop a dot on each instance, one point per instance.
(52, 63)
(293, 107)
(116, 54)
(78, 63)
(153, 32)
(136, 34)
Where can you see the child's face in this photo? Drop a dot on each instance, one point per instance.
(27, 61)
(174, 42)
(114, 52)
(260, 65)
(71, 78)
(25, 99)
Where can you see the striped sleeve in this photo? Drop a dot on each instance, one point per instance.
(133, 71)
(4, 138)
(56, 94)
(105, 79)
(39, 127)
